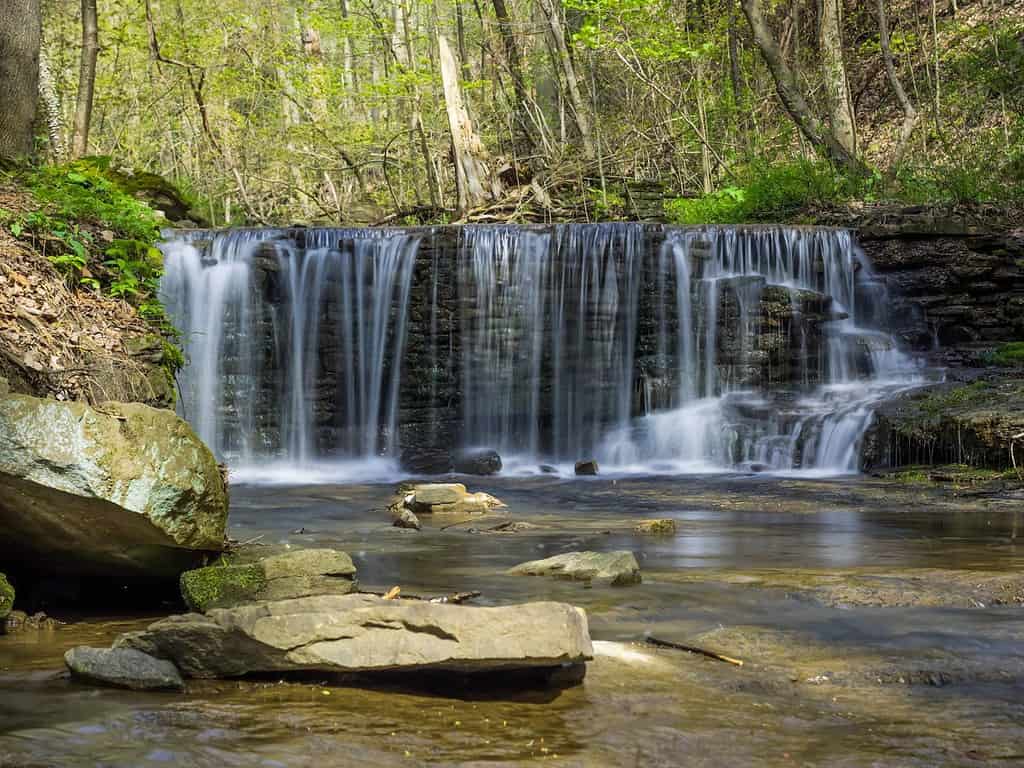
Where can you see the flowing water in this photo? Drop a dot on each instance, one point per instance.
(653, 350)
(853, 603)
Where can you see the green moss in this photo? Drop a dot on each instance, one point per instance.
(222, 585)
(1008, 354)
(6, 597)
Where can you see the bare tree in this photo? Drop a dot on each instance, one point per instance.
(20, 34)
(524, 126)
(476, 186)
(86, 79)
(579, 111)
(837, 88)
(790, 93)
(910, 114)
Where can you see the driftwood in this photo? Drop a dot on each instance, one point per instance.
(693, 649)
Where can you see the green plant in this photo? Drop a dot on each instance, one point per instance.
(1008, 354)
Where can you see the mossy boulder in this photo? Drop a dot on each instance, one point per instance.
(6, 600)
(302, 573)
(120, 491)
(974, 424)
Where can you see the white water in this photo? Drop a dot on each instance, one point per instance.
(574, 342)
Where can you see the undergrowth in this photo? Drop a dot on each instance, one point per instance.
(98, 235)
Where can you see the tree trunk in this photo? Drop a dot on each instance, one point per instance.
(49, 105)
(910, 114)
(476, 186)
(579, 111)
(524, 127)
(789, 91)
(20, 34)
(86, 79)
(836, 86)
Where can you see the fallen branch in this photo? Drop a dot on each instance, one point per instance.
(693, 649)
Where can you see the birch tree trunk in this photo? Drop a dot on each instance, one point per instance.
(476, 186)
(789, 91)
(49, 105)
(836, 86)
(20, 35)
(579, 110)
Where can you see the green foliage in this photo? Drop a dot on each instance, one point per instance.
(770, 192)
(98, 235)
(1007, 354)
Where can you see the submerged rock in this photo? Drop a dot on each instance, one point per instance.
(123, 668)
(445, 499)
(120, 491)
(6, 601)
(478, 463)
(302, 573)
(615, 568)
(366, 634)
(586, 467)
(661, 527)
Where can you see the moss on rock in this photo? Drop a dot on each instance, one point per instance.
(222, 585)
(6, 599)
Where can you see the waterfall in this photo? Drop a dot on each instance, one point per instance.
(293, 349)
(651, 349)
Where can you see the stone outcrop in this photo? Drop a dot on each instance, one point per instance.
(367, 634)
(975, 424)
(586, 468)
(123, 668)
(120, 491)
(660, 527)
(614, 568)
(302, 573)
(445, 499)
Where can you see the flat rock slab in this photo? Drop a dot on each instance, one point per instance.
(123, 668)
(615, 568)
(445, 499)
(301, 573)
(361, 633)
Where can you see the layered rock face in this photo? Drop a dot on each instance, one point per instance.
(123, 492)
(367, 634)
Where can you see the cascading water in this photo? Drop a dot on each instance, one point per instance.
(294, 353)
(651, 349)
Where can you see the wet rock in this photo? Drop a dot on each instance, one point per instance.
(547, 469)
(614, 568)
(588, 467)
(19, 621)
(427, 461)
(445, 499)
(974, 424)
(296, 574)
(478, 463)
(366, 634)
(119, 491)
(123, 668)
(406, 519)
(6, 601)
(513, 526)
(661, 527)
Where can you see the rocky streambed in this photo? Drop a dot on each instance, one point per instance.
(878, 621)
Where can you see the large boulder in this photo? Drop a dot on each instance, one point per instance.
(486, 462)
(361, 633)
(123, 668)
(302, 573)
(615, 568)
(122, 491)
